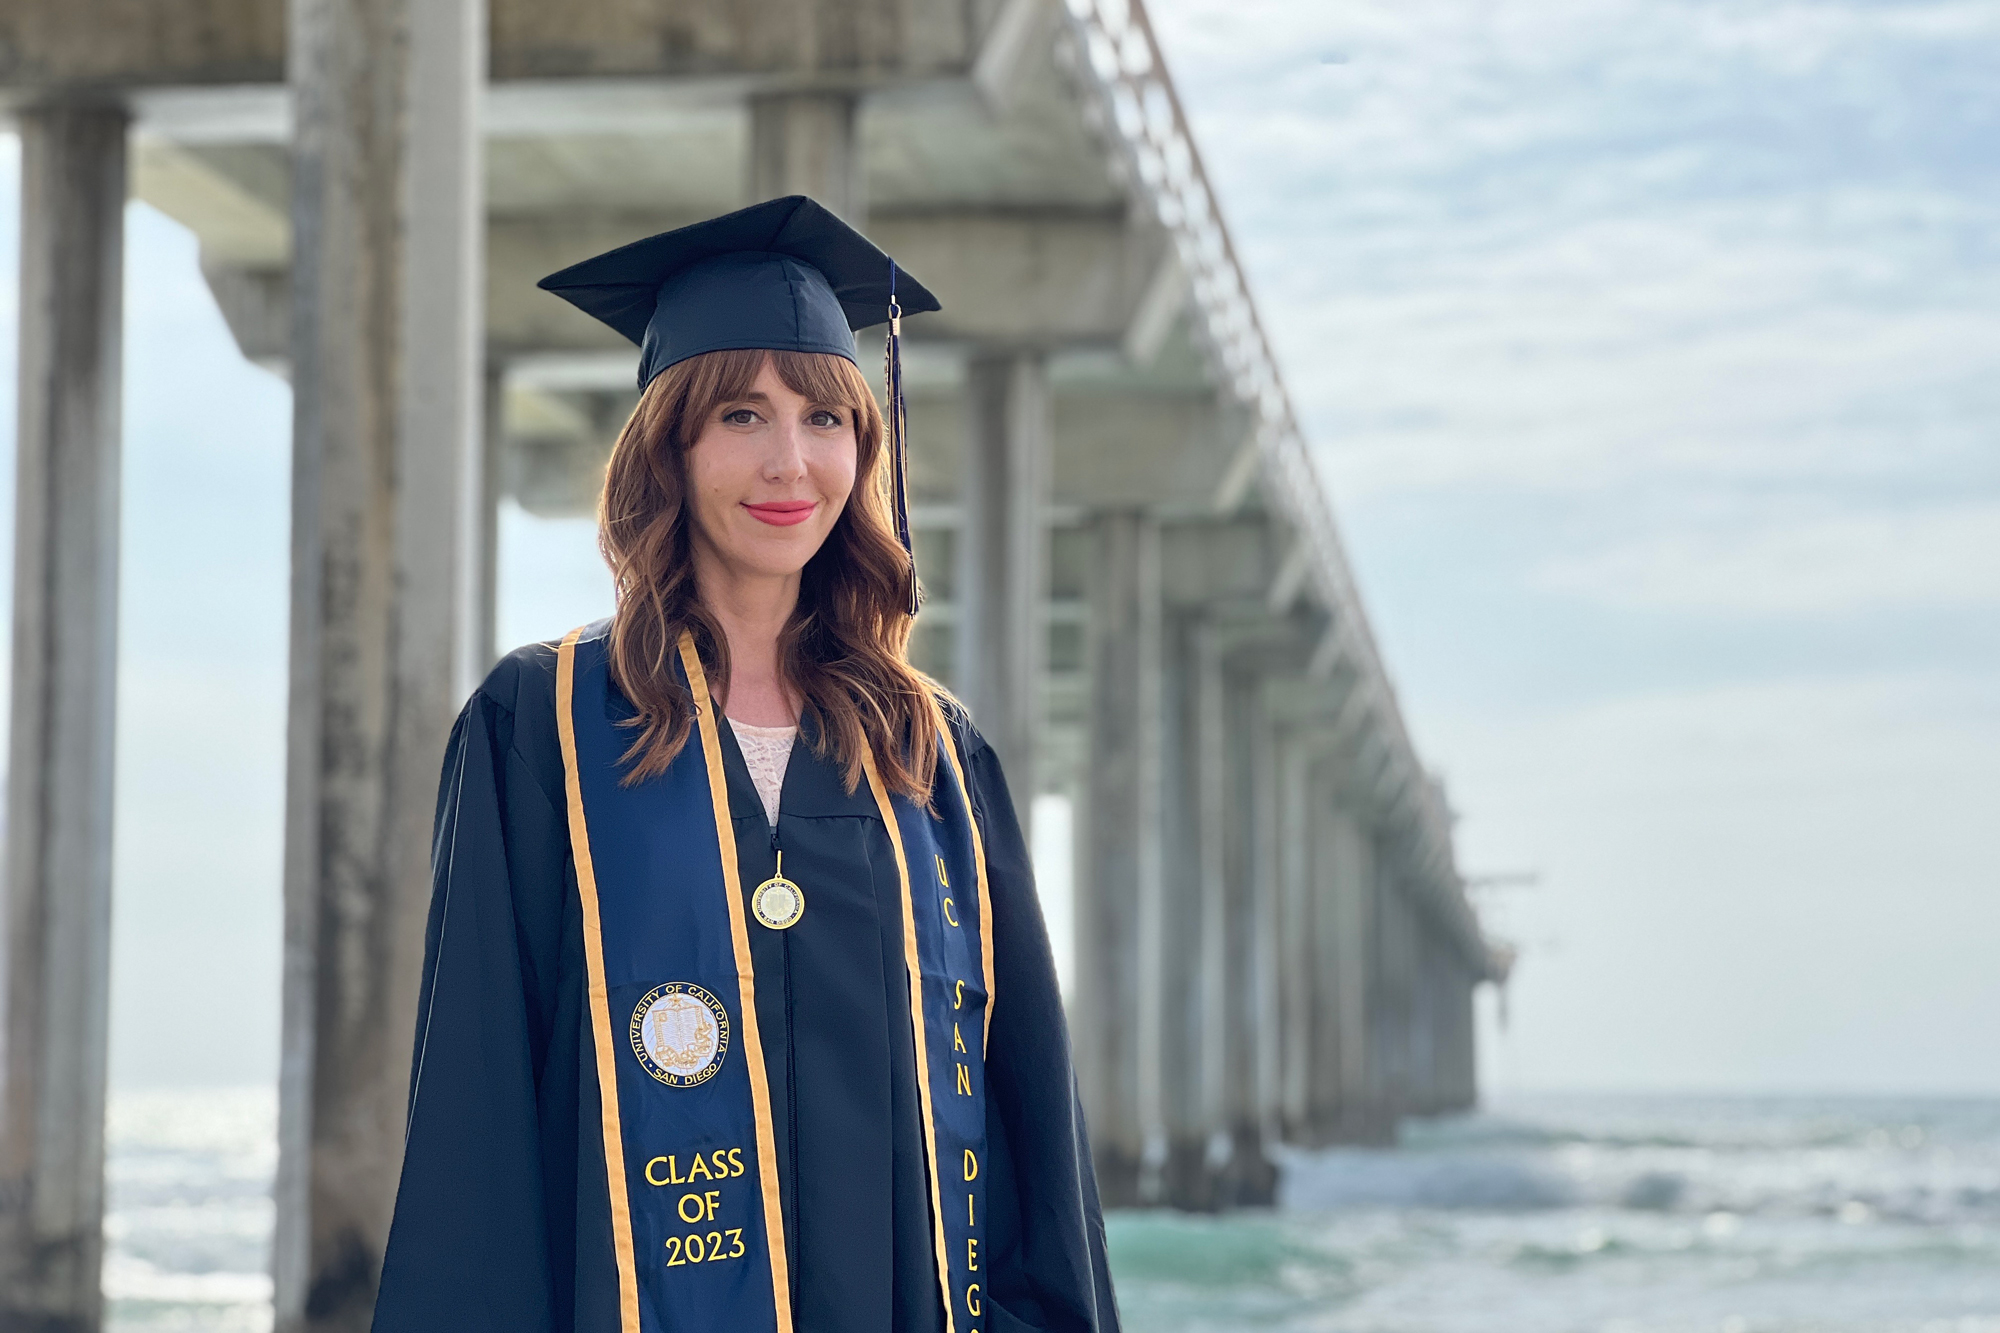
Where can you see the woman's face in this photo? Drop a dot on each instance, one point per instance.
(767, 477)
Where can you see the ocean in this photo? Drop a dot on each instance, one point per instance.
(1537, 1215)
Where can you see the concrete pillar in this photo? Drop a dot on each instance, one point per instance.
(1223, 960)
(1389, 1045)
(1464, 1043)
(1297, 962)
(805, 143)
(386, 225)
(58, 941)
(1267, 925)
(1214, 788)
(1426, 1014)
(1449, 989)
(1444, 1078)
(1385, 1027)
(1337, 964)
(1177, 1169)
(1343, 1104)
(480, 590)
(1003, 557)
(1116, 1011)
(1252, 981)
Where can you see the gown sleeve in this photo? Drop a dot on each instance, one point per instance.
(470, 1247)
(1048, 1268)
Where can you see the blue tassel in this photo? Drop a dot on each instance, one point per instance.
(899, 444)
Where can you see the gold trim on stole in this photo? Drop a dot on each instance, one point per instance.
(600, 1001)
(913, 964)
(746, 986)
(979, 864)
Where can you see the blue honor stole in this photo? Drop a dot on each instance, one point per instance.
(690, 1156)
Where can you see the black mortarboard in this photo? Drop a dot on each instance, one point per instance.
(787, 276)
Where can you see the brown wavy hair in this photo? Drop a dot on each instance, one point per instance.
(845, 650)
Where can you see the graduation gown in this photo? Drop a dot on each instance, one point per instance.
(502, 1219)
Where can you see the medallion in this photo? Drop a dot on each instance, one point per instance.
(778, 902)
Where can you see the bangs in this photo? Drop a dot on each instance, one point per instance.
(824, 378)
(819, 377)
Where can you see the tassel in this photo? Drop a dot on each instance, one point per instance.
(899, 444)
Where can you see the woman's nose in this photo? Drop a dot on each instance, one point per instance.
(786, 459)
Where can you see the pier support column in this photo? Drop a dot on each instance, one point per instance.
(1003, 558)
(1426, 1015)
(1220, 1158)
(1390, 1009)
(805, 143)
(1251, 1177)
(60, 755)
(1298, 961)
(1463, 1053)
(1175, 1172)
(1344, 1106)
(387, 221)
(1304, 734)
(1205, 1152)
(480, 588)
(1116, 1013)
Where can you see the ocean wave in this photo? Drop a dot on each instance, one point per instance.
(128, 1278)
(1375, 1178)
(1935, 1165)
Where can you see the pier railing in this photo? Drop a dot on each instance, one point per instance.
(1115, 55)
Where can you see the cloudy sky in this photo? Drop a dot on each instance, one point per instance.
(1653, 352)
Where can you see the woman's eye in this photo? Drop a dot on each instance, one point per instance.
(742, 416)
(824, 419)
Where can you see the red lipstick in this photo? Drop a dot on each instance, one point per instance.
(783, 513)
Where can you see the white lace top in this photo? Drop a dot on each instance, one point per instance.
(766, 751)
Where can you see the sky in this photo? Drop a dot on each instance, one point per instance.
(1652, 352)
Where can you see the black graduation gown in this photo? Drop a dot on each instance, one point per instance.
(501, 1221)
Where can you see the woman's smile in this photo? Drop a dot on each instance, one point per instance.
(782, 513)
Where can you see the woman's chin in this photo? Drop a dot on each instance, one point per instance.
(775, 553)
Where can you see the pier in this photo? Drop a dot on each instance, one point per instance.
(1134, 574)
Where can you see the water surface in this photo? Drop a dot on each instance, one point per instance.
(1550, 1215)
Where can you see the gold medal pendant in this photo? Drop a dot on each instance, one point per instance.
(778, 902)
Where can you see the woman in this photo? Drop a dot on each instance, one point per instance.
(738, 1011)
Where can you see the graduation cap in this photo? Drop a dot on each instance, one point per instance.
(786, 276)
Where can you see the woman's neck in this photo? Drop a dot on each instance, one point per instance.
(752, 612)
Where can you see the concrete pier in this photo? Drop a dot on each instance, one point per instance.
(60, 753)
(1138, 582)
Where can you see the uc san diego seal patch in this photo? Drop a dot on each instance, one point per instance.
(680, 1033)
